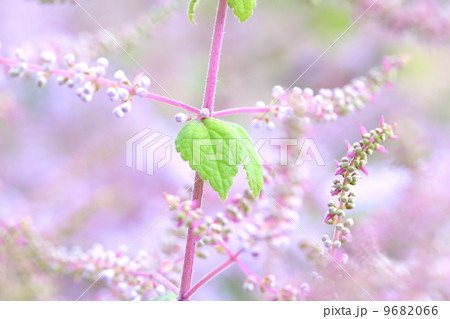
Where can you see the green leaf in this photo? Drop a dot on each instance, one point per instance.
(252, 161)
(242, 9)
(192, 6)
(214, 149)
(167, 297)
(206, 146)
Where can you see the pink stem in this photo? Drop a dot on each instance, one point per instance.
(212, 274)
(208, 102)
(191, 241)
(244, 268)
(238, 110)
(102, 82)
(214, 56)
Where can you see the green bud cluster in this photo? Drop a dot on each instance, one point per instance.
(349, 169)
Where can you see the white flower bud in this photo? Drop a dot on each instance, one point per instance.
(269, 281)
(297, 91)
(20, 55)
(123, 93)
(349, 222)
(270, 126)
(257, 123)
(81, 67)
(326, 93)
(14, 72)
(126, 107)
(103, 62)
(60, 80)
(117, 111)
(87, 98)
(22, 66)
(41, 81)
(89, 268)
(144, 82)
(318, 99)
(308, 93)
(217, 228)
(337, 244)
(204, 112)
(141, 92)
(122, 286)
(48, 56)
(304, 287)
(249, 284)
(277, 92)
(46, 67)
(338, 93)
(119, 75)
(112, 93)
(78, 78)
(98, 71)
(80, 92)
(70, 83)
(69, 59)
(260, 104)
(285, 112)
(108, 274)
(180, 117)
(88, 88)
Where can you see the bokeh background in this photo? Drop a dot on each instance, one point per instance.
(62, 161)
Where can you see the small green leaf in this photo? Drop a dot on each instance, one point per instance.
(192, 6)
(206, 146)
(251, 160)
(167, 297)
(242, 9)
(215, 148)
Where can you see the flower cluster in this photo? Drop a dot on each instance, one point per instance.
(429, 20)
(328, 104)
(252, 221)
(128, 279)
(348, 169)
(87, 79)
(268, 219)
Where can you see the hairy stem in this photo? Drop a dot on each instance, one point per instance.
(239, 110)
(214, 56)
(212, 274)
(208, 102)
(191, 241)
(244, 268)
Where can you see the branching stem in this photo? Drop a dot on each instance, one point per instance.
(208, 102)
